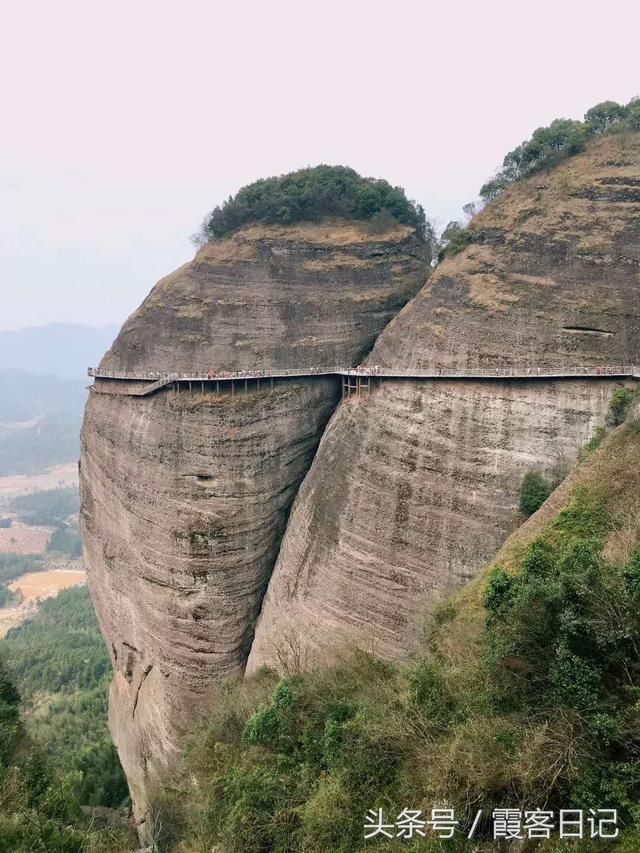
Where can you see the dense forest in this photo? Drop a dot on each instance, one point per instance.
(48, 507)
(56, 754)
(14, 565)
(59, 666)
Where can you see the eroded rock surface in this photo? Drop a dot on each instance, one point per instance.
(185, 497)
(414, 489)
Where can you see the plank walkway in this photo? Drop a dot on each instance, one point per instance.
(354, 379)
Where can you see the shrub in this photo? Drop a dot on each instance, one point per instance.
(311, 195)
(619, 406)
(455, 238)
(534, 491)
(634, 116)
(596, 439)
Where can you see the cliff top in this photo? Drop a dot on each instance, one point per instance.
(549, 274)
(565, 198)
(273, 295)
(241, 245)
(312, 195)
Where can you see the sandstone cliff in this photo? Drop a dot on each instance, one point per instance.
(415, 488)
(185, 498)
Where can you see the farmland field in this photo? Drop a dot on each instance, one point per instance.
(23, 539)
(13, 485)
(34, 587)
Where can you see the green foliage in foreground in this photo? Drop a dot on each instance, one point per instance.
(534, 491)
(60, 664)
(60, 650)
(546, 712)
(51, 506)
(561, 139)
(39, 810)
(312, 195)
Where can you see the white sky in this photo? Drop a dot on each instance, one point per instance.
(123, 123)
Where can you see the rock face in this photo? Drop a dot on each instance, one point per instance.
(185, 497)
(275, 297)
(414, 489)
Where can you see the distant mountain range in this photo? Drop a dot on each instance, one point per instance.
(57, 349)
(42, 392)
(39, 420)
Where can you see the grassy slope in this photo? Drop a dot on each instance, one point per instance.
(612, 475)
(294, 764)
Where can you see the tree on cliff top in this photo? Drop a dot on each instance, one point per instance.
(310, 195)
(561, 139)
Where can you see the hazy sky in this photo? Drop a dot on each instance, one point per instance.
(123, 123)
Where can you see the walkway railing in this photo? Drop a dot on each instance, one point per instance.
(511, 372)
(355, 380)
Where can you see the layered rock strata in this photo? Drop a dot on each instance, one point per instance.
(185, 497)
(414, 489)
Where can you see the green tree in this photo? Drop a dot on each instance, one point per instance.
(534, 492)
(561, 139)
(633, 115)
(65, 540)
(51, 506)
(603, 116)
(9, 717)
(455, 238)
(312, 195)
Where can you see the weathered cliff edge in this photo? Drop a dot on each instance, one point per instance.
(185, 498)
(413, 490)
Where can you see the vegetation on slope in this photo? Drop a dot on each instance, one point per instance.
(39, 810)
(525, 696)
(547, 147)
(561, 139)
(312, 195)
(60, 665)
